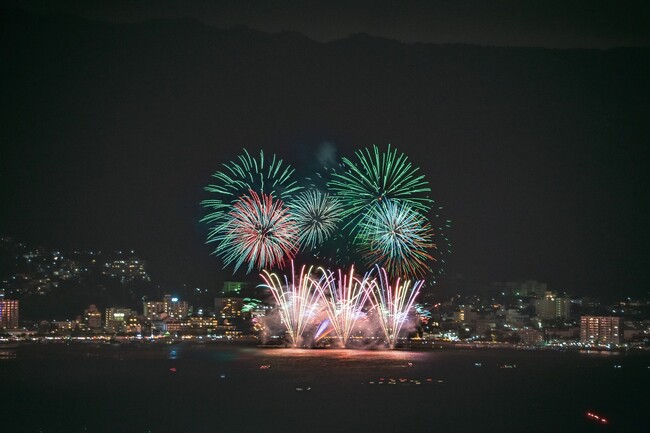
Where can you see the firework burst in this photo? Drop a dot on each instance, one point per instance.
(316, 215)
(397, 238)
(259, 232)
(267, 176)
(375, 177)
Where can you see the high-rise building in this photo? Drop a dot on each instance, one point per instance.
(8, 313)
(169, 306)
(153, 309)
(115, 318)
(174, 307)
(552, 307)
(601, 330)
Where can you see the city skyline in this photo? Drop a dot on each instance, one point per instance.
(324, 216)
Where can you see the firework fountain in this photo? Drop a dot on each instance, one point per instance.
(392, 303)
(297, 300)
(344, 298)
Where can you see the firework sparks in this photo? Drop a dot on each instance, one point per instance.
(344, 298)
(260, 232)
(392, 303)
(297, 300)
(246, 173)
(316, 215)
(303, 299)
(397, 238)
(377, 176)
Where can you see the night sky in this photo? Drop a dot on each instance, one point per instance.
(115, 114)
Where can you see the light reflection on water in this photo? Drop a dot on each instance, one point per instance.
(7, 354)
(417, 387)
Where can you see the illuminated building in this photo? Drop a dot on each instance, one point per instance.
(93, 318)
(174, 307)
(199, 325)
(132, 323)
(153, 309)
(228, 307)
(171, 325)
(168, 306)
(232, 287)
(600, 330)
(551, 307)
(65, 326)
(115, 318)
(8, 314)
(127, 270)
(465, 315)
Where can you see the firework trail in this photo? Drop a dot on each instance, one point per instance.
(322, 330)
(259, 232)
(297, 299)
(392, 303)
(316, 215)
(343, 299)
(397, 238)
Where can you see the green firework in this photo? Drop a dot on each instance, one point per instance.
(376, 176)
(238, 177)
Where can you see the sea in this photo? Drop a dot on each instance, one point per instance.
(194, 387)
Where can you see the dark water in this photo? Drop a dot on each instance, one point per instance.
(221, 388)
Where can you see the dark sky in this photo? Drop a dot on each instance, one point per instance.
(111, 128)
(529, 23)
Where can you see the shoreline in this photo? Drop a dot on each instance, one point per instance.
(103, 341)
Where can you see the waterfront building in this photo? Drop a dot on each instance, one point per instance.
(562, 334)
(153, 310)
(552, 307)
(174, 307)
(132, 323)
(199, 325)
(600, 330)
(93, 318)
(169, 306)
(171, 325)
(65, 326)
(228, 307)
(115, 317)
(515, 319)
(8, 313)
(530, 336)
